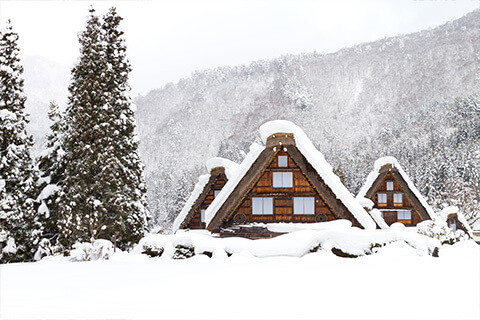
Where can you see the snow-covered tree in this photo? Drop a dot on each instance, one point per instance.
(103, 193)
(51, 167)
(124, 197)
(19, 229)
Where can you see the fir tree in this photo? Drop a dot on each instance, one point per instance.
(51, 166)
(124, 191)
(19, 230)
(103, 193)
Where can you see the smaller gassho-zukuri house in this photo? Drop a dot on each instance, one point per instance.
(394, 194)
(285, 180)
(455, 220)
(207, 188)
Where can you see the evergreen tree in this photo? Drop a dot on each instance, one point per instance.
(51, 167)
(19, 229)
(103, 193)
(124, 189)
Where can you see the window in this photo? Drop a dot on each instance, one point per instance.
(404, 215)
(453, 226)
(282, 179)
(282, 161)
(382, 199)
(262, 205)
(389, 185)
(397, 199)
(304, 205)
(202, 215)
(215, 193)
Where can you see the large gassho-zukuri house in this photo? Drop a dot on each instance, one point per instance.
(285, 180)
(394, 194)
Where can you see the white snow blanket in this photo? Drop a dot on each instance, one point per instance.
(324, 236)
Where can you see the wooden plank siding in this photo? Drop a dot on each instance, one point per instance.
(216, 183)
(390, 210)
(283, 197)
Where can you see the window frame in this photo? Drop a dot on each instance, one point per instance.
(389, 183)
(303, 205)
(264, 206)
(282, 175)
(286, 163)
(395, 198)
(403, 218)
(382, 204)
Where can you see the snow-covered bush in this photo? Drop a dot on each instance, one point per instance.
(85, 251)
(439, 229)
(46, 248)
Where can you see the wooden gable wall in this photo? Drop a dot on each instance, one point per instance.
(390, 209)
(216, 183)
(282, 197)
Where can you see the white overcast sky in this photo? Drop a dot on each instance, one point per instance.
(168, 40)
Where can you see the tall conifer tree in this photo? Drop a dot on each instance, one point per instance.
(125, 190)
(51, 167)
(103, 190)
(19, 229)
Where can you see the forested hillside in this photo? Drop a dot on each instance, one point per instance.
(411, 96)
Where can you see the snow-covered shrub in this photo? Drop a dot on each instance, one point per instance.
(153, 251)
(85, 251)
(46, 248)
(439, 229)
(183, 252)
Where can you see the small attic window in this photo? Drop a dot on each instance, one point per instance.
(215, 193)
(202, 215)
(282, 161)
(389, 185)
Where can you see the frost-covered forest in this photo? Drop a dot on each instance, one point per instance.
(413, 96)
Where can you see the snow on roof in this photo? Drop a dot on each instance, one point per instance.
(202, 181)
(451, 210)
(372, 176)
(377, 216)
(230, 169)
(229, 166)
(313, 156)
(242, 169)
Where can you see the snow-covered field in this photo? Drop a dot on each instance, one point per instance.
(394, 283)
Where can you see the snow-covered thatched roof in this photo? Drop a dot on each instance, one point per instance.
(230, 168)
(373, 176)
(314, 157)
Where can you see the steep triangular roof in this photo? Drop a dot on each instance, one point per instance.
(308, 158)
(217, 167)
(454, 211)
(375, 177)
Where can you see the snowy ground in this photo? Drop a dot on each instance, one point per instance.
(395, 283)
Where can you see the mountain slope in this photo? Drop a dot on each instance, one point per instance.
(356, 105)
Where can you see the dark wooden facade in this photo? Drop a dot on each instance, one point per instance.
(283, 197)
(217, 180)
(258, 183)
(390, 183)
